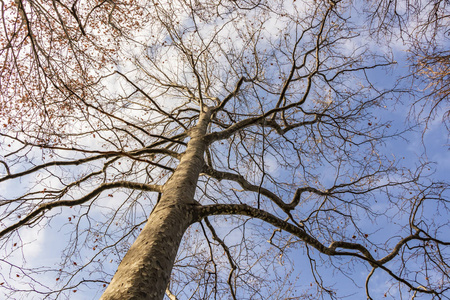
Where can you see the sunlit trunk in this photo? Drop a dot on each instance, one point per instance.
(145, 270)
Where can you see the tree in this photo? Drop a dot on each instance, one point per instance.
(236, 134)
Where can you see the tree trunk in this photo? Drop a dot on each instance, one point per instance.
(145, 270)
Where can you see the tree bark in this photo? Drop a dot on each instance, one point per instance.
(145, 270)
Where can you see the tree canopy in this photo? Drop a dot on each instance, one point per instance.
(242, 149)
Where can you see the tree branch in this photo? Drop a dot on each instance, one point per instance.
(32, 217)
(107, 154)
(246, 210)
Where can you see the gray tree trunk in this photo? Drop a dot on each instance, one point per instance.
(145, 270)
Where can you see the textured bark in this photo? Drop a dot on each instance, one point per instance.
(145, 270)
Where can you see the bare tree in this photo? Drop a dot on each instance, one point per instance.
(422, 26)
(221, 139)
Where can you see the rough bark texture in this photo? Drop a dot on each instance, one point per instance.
(145, 270)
